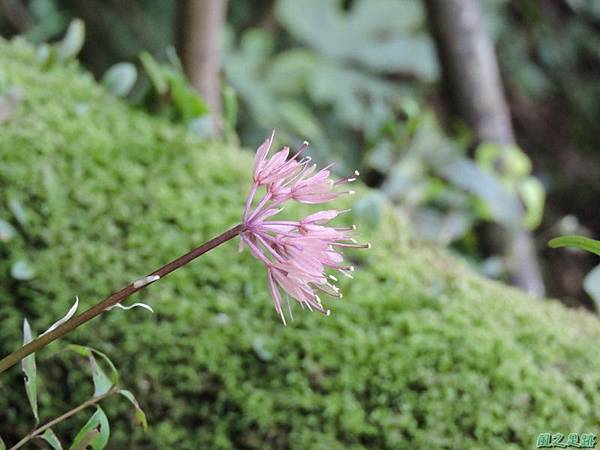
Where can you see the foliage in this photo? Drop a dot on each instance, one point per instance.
(421, 353)
(96, 432)
(176, 96)
(591, 283)
(443, 191)
(327, 85)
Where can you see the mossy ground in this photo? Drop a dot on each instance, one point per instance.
(420, 353)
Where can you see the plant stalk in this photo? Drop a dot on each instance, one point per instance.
(114, 299)
(90, 402)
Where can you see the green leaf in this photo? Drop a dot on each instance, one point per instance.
(383, 35)
(516, 163)
(188, 102)
(22, 270)
(487, 154)
(79, 349)
(2, 444)
(581, 242)
(7, 231)
(502, 206)
(30, 371)
(154, 72)
(73, 41)
(94, 434)
(120, 78)
(88, 351)
(102, 383)
(140, 416)
(51, 439)
(532, 193)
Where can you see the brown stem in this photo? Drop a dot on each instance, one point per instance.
(115, 298)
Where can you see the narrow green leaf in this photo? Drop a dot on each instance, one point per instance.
(154, 71)
(187, 100)
(30, 371)
(87, 351)
(2, 445)
(533, 196)
(73, 41)
(22, 270)
(120, 78)
(94, 434)
(79, 349)
(581, 242)
(139, 413)
(51, 439)
(102, 383)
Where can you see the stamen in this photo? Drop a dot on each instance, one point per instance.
(346, 274)
(350, 228)
(344, 244)
(348, 179)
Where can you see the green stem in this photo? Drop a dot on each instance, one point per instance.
(115, 298)
(35, 433)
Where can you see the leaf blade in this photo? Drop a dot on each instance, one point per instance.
(140, 415)
(102, 383)
(51, 439)
(94, 434)
(30, 372)
(581, 242)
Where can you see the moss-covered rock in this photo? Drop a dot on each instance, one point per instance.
(421, 353)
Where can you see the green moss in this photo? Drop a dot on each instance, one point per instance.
(421, 353)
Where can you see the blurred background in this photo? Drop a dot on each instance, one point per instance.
(477, 120)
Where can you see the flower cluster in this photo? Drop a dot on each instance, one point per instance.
(296, 253)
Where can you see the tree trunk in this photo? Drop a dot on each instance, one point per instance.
(201, 22)
(471, 72)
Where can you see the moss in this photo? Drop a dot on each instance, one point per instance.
(421, 353)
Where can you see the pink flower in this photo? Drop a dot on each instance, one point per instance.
(297, 254)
